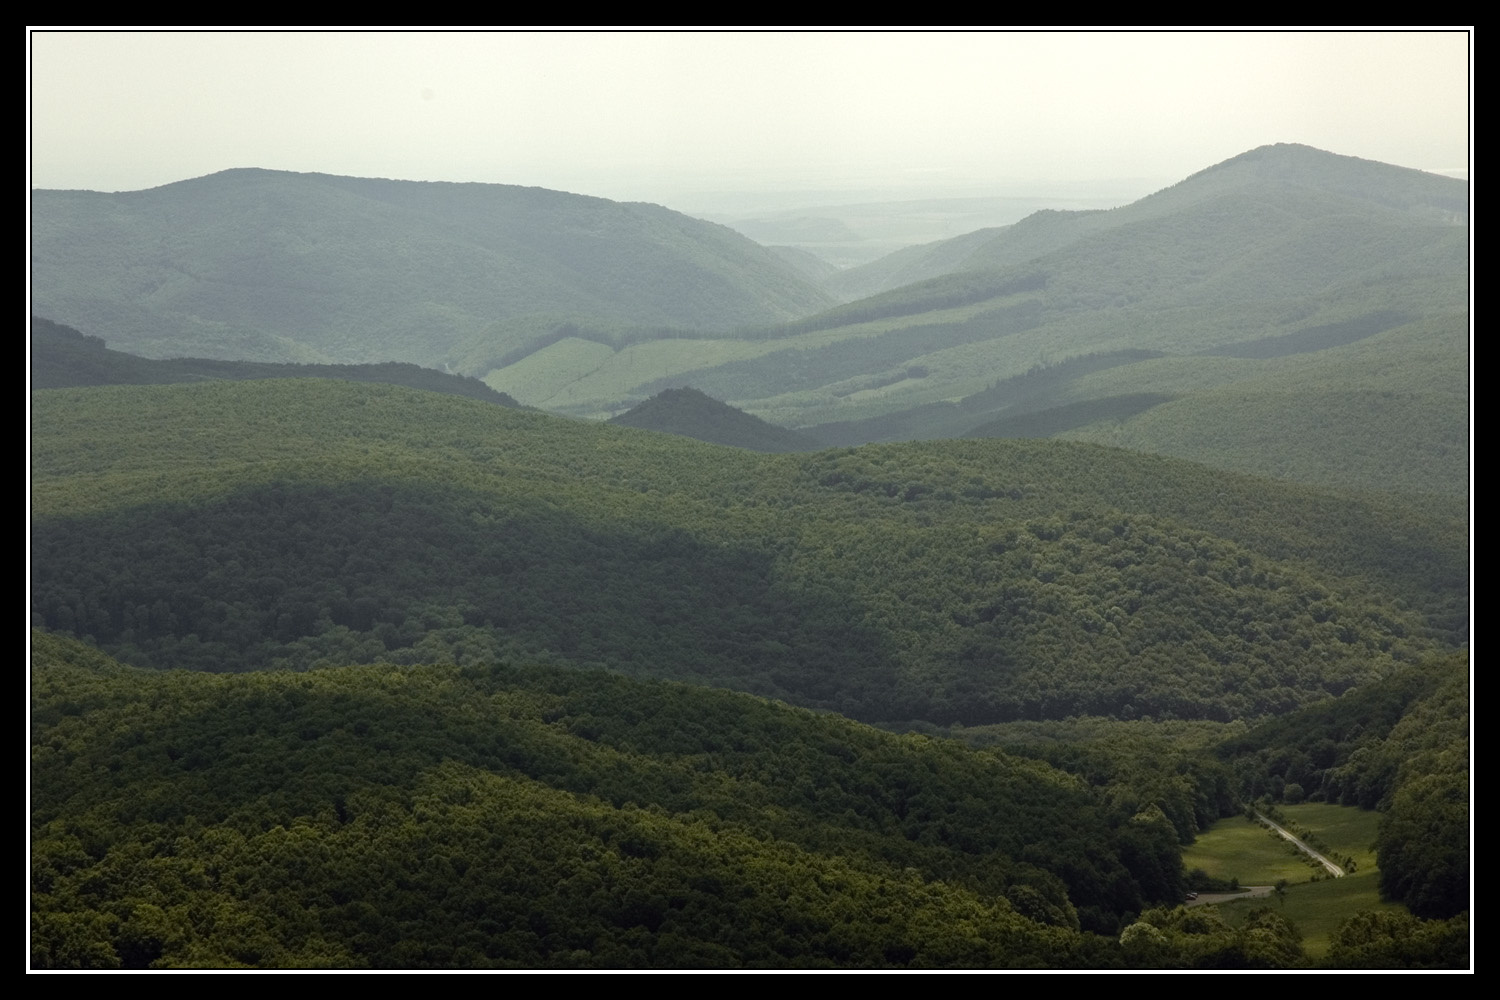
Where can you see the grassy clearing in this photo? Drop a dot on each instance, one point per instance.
(1318, 908)
(1237, 848)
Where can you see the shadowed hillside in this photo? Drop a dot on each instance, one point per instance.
(239, 526)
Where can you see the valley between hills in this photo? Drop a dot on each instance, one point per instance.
(468, 576)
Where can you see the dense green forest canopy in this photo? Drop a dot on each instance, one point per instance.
(509, 817)
(499, 816)
(240, 526)
(442, 808)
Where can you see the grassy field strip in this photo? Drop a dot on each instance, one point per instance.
(1344, 829)
(1287, 835)
(573, 374)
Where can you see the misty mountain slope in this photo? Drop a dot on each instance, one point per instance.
(62, 357)
(1385, 411)
(352, 269)
(1258, 241)
(1285, 251)
(913, 264)
(1388, 409)
(235, 526)
(1282, 175)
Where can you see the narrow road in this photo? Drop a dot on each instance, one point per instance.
(1286, 834)
(1246, 892)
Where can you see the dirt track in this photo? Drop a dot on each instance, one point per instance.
(1246, 892)
(1286, 834)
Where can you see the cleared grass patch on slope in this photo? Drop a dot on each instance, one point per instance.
(538, 377)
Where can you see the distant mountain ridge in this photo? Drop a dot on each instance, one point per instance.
(1289, 312)
(1285, 166)
(271, 265)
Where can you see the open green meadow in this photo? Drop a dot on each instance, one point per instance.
(1238, 848)
(1318, 908)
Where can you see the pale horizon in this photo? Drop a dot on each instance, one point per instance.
(697, 120)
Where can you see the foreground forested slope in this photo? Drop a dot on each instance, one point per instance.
(505, 817)
(234, 527)
(509, 817)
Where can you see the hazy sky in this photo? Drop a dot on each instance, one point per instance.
(675, 117)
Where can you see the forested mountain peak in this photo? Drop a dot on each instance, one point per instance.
(1307, 164)
(694, 414)
(1369, 181)
(1296, 175)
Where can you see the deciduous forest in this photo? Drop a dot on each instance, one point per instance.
(653, 603)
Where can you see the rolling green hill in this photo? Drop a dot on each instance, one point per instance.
(1288, 312)
(514, 817)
